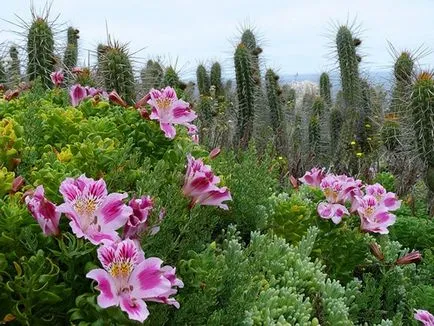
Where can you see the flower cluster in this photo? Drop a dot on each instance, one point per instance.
(78, 93)
(201, 185)
(372, 203)
(128, 279)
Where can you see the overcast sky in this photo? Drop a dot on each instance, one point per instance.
(296, 35)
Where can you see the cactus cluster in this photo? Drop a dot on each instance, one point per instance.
(70, 57)
(116, 69)
(40, 51)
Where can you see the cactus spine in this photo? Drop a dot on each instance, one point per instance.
(325, 88)
(14, 73)
(40, 51)
(116, 69)
(422, 110)
(203, 80)
(70, 57)
(245, 93)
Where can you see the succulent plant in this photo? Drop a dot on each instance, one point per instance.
(152, 75)
(70, 57)
(348, 65)
(216, 78)
(40, 50)
(115, 66)
(245, 93)
(203, 80)
(325, 88)
(422, 110)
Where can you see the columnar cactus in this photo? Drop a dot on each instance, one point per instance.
(245, 93)
(216, 78)
(14, 72)
(314, 135)
(316, 127)
(171, 78)
(336, 121)
(203, 80)
(325, 88)
(249, 40)
(40, 51)
(318, 106)
(71, 52)
(349, 66)
(275, 104)
(422, 110)
(364, 130)
(152, 75)
(116, 69)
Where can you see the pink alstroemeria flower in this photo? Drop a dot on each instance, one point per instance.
(335, 212)
(388, 199)
(77, 94)
(94, 214)
(333, 189)
(201, 185)
(137, 222)
(169, 273)
(337, 190)
(374, 217)
(425, 317)
(313, 177)
(43, 211)
(128, 279)
(57, 78)
(169, 110)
